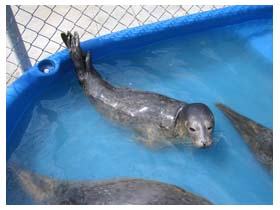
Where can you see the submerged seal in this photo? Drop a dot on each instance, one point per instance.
(258, 137)
(45, 190)
(155, 117)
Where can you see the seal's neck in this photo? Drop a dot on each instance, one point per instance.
(180, 129)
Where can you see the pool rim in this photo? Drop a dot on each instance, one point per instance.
(34, 82)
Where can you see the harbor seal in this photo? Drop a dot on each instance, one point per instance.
(153, 116)
(45, 190)
(258, 137)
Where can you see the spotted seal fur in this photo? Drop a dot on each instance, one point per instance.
(256, 136)
(46, 190)
(153, 116)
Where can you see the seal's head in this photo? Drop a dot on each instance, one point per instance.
(197, 122)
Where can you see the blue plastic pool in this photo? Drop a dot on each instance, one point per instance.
(218, 56)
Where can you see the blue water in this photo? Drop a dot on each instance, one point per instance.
(64, 137)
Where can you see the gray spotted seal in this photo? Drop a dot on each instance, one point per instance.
(153, 116)
(258, 137)
(45, 190)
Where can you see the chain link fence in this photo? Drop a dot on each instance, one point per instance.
(33, 32)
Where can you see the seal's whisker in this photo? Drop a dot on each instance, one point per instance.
(187, 144)
(219, 136)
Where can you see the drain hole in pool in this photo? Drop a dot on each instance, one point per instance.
(46, 66)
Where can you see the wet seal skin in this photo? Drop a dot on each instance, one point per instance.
(157, 119)
(258, 137)
(45, 190)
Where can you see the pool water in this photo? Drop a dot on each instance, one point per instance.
(64, 137)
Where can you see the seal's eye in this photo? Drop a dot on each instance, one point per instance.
(192, 129)
(209, 128)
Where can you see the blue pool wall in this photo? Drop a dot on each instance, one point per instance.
(24, 91)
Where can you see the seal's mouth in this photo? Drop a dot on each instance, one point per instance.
(202, 144)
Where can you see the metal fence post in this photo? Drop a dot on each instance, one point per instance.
(16, 40)
(40, 25)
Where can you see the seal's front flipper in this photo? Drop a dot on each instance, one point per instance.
(149, 139)
(148, 143)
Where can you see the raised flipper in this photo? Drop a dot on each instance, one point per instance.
(83, 63)
(258, 137)
(72, 42)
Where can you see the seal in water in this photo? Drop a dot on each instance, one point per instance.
(44, 190)
(258, 137)
(155, 117)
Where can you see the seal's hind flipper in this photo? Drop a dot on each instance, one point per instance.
(76, 51)
(241, 123)
(83, 63)
(40, 188)
(72, 42)
(257, 137)
(65, 38)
